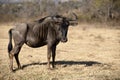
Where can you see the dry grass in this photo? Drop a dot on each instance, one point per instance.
(90, 54)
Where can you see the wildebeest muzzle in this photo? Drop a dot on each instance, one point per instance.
(64, 40)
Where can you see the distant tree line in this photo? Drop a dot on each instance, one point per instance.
(87, 10)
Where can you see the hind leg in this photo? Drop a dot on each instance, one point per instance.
(17, 58)
(14, 53)
(11, 61)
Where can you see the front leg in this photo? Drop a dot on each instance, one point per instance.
(49, 56)
(53, 56)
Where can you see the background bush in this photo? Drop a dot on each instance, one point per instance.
(87, 10)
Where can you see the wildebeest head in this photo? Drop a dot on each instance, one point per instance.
(62, 29)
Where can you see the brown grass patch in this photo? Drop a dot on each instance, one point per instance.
(90, 54)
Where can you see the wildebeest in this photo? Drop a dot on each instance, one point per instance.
(46, 31)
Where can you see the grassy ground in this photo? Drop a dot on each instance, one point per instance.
(90, 54)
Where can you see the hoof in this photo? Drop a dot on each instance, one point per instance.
(19, 67)
(12, 71)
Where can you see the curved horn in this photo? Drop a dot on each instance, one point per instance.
(76, 18)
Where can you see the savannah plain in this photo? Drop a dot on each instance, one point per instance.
(91, 53)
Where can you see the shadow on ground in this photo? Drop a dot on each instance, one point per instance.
(64, 63)
(86, 63)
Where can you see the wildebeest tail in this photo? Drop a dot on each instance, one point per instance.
(10, 46)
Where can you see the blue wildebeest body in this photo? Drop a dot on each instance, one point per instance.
(46, 31)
